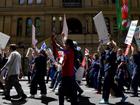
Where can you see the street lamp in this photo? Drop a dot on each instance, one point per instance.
(53, 24)
(60, 20)
(54, 18)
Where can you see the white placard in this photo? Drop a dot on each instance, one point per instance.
(101, 28)
(3, 40)
(131, 32)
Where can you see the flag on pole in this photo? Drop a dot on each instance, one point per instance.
(86, 51)
(65, 29)
(34, 41)
(43, 46)
(123, 14)
(83, 64)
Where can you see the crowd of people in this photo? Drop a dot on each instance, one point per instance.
(108, 70)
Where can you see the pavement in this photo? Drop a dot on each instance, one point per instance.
(89, 97)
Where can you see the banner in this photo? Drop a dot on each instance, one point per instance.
(131, 32)
(101, 28)
(65, 29)
(3, 40)
(43, 46)
(34, 41)
(123, 14)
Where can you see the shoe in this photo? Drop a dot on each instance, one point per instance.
(67, 99)
(80, 93)
(103, 102)
(43, 95)
(24, 96)
(124, 98)
(7, 98)
(31, 96)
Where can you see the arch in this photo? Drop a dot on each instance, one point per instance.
(19, 26)
(29, 27)
(74, 26)
(38, 25)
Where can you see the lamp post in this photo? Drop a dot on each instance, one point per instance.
(53, 24)
(60, 20)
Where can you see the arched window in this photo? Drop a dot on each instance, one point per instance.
(28, 27)
(19, 26)
(38, 1)
(30, 1)
(74, 26)
(38, 25)
(21, 2)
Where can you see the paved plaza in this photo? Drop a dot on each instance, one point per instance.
(89, 97)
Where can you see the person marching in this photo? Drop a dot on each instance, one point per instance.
(13, 66)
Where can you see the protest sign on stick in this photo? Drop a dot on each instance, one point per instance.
(130, 35)
(4, 38)
(101, 28)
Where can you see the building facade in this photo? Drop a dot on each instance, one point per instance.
(17, 17)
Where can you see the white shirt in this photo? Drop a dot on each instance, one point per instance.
(13, 64)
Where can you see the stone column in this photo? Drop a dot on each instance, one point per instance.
(24, 27)
(42, 30)
(111, 25)
(2, 3)
(14, 26)
(48, 3)
(1, 23)
(48, 25)
(9, 3)
(7, 24)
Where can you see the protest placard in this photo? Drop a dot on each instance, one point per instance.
(131, 32)
(101, 28)
(3, 40)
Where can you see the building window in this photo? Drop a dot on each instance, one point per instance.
(28, 27)
(21, 2)
(30, 1)
(72, 3)
(38, 26)
(74, 26)
(38, 1)
(19, 26)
